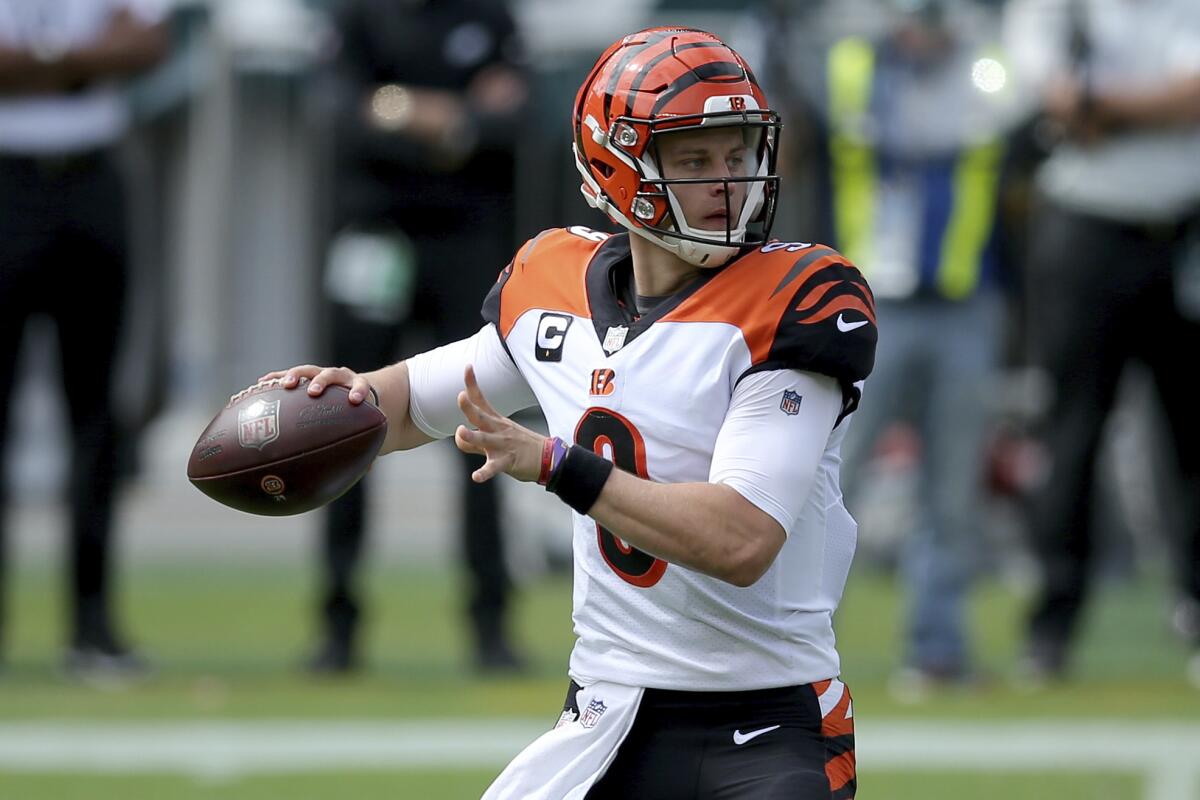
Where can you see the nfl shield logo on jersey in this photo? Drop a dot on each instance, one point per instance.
(258, 424)
(790, 404)
(614, 340)
(592, 714)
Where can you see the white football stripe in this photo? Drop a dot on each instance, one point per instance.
(1166, 754)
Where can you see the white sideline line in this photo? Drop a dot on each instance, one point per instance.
(1166, 754)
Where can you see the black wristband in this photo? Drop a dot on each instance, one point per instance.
(580, 479)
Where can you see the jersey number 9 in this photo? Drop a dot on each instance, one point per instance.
(609, 434)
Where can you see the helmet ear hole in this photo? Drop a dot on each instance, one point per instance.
(605, 170)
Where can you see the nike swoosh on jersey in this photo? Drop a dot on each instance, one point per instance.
(742, 738)
(846, 327)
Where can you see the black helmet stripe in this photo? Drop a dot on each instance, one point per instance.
(751, 76)
(626, 57)
(636, 86)
(704, 72)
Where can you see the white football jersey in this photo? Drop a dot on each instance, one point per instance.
(652, 393)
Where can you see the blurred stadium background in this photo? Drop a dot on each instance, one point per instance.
(227, 194)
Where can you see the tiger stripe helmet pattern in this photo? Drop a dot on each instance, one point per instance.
(663, 80)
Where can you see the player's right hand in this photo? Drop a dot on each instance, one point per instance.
(320, 377)
(507, 446)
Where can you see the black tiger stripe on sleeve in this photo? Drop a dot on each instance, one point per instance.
(828, 325)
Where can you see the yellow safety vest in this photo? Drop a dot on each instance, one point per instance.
(851, 72)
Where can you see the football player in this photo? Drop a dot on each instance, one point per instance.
(696, 378)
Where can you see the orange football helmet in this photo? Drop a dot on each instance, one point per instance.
(665, 80)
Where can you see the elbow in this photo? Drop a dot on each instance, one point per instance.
(747, 573)
(754, 557)
(744, 577)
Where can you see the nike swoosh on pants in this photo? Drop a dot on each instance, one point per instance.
(742, 738)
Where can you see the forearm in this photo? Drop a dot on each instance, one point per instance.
(373, 128)
(22, 73)
(731, 527)
(392, 384)
(127, 47)
(708, 527)
(1176, 103)
(427, 128)
(703, 526)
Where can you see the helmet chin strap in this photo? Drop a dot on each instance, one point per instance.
(705, 255)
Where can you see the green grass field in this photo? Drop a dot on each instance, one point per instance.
(226, 642)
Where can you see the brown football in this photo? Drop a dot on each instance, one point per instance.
(276, 451)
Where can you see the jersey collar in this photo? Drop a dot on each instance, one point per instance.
(607, 273)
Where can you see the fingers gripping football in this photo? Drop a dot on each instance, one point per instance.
(507, 446)
(321, 377)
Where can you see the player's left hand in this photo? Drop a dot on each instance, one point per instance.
(509, 447)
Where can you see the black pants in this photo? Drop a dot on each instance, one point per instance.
(455, 271)
(63, 255)
(771, 744)
(1101, 295)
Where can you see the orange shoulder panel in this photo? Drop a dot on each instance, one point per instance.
(548, 272)
(756, 291)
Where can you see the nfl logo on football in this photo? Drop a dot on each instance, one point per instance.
(591, 715)
(258, 424)
(790, 404)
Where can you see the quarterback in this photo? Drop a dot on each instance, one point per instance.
(696, 377)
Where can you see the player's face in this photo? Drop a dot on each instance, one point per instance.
(720, 152)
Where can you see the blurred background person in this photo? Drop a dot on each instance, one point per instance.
(909, 110)
(426, 99)
(64, 254)
(1109, 274)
